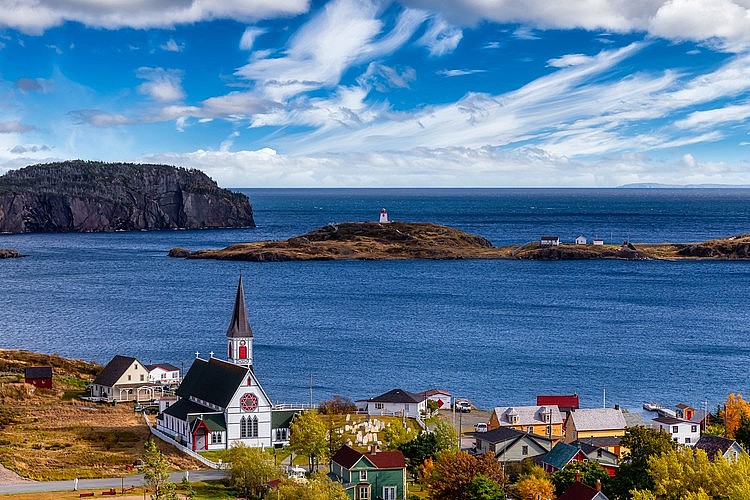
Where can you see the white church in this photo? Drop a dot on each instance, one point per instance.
(221, 402)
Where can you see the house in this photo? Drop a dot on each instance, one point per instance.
(701, 417)
(564, 453)
(582, 491)
(221, 403)
(597, 241)
(589, 423)
(540, 420)
(365, 476)
(717, 445)
(39, 376)
(581, 240)
(125, 379)
(441, 397)
(682, 431)
(395, 402)
(163, 373)
(684, 411)
(566, 404)
(549, 241)
(607, 459)
(511, 445)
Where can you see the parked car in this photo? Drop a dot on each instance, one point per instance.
(480, 427)
(463, 406)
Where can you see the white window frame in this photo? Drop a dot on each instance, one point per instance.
(364, 492)
(363, 475)
(389, 492)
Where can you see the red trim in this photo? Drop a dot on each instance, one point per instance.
(206, 433)
(243, 352)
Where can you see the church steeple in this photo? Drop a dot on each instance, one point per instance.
(239, 333)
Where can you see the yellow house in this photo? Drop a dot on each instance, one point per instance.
(539, 420)
(598, 426)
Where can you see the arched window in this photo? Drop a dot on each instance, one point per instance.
(254, 429)
(243, 428)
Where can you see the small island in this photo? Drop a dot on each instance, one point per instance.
(415, 240)
(9, 253)
(84, 196)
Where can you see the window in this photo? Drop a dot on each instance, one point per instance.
(254, 427)
(675, 429)
(244, 428)
(379, 406)
(389, 493)
(163, 375)
(549, 430)
(142, 375)
(598, 453)
(364, 493)
(129, 377)
(281, 434)
(530, 429)
(687, 440)
(524, 450)
(693, 428)
(216, 438)
(363, 475)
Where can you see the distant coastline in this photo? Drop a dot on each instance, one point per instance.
(656, 185)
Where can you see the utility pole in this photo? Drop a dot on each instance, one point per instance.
(311, 398)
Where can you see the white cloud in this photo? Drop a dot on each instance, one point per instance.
(35, 16)
(569, 60)
(248, 37)
(14, 126)
(714, 117)
(441, 38)
(172, 46)
(460, 72)
(162, 85)
(99, 118)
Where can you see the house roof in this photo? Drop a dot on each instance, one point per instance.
(527, 415)
(239, 326)
(214, 381)
(397, 396)
(434, 392)
(184, 407)
(602, 442)
(683, 406)
(699, 416)
(560, 455)
(281, 419)
(114, 370)
(38, 372)
(632, 419)
(348, 457)
(589, 448)
(550, 237)
(214, 422)
(671, 421)
(164, 366)
(713, 445)
(594, 419)
(498, 435)
(569, 401)
(581, 491)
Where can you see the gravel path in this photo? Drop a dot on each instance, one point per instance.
(7, 476)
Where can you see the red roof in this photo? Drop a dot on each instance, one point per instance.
(578, 491)
(347, 457)
(561, 401)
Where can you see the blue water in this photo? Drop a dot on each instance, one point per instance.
(497, 332)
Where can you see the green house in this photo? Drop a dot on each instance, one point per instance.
(379, 475)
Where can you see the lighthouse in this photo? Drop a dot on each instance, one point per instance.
(384, 216)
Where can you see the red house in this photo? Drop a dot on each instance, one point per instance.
(566, 404)
(39, 376)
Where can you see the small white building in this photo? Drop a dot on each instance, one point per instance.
(384, 216)
(550, 241)
(597, 241)
(441, 397)
(682, 431)
(581, 240)
(396, 402)
(125, 379)
(163, 373)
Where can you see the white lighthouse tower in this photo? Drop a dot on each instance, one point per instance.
(384, 217)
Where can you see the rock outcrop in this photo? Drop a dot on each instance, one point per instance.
(9, 253)
(79, 196)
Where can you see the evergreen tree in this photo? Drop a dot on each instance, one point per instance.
(156, 473)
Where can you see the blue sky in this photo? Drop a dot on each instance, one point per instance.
(370, 93)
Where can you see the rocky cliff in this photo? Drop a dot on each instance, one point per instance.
(79, 196)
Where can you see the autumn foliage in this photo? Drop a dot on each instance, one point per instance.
(452, 472)
(734, 410)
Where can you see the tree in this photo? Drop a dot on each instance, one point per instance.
(688, 474)
(308, 437)
(319, 487)
(156, 473)
(534, 485)
(337, 405)
(734, 409)
(446, 437)
(419, 449)
(590, 473)
(334, 439)
(742, 434)
(453, 472)
(251, 470)
(643, 444)
(395, 435)
(484, 488)
(188, 487)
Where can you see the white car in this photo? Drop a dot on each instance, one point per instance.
(463, 406)
(480, 427)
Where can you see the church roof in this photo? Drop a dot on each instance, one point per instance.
(184, 407)
(239, 326)
(214, 381)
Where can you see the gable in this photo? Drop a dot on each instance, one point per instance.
(253, 386)
(214, 381)
(116, 370)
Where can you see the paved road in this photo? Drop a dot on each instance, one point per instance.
(104, 484)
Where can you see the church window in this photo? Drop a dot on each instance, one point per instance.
(216, 438)
(229, 355)
(244, 428)
(254, 427)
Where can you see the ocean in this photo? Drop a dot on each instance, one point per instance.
(495, 332)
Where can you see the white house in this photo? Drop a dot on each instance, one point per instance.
(581, 240)
(125, 379)
(717, 445)
(440, 396)
(395, 402)
(682, 431)
(597, 241)
(549, 241)
(163, 373)
(222, 402)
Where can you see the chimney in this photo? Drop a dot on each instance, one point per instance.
(578, 477)
(598, 485)
(617, 407)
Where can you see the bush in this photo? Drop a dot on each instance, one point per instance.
(337, 405)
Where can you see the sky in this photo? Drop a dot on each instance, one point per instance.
(378, 93)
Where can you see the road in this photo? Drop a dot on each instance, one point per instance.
(104, 484)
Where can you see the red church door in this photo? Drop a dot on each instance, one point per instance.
(243, 352)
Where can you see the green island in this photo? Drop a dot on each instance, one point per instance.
(412, 240)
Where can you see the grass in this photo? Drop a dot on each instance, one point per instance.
(209, 490)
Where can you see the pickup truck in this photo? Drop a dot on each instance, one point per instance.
(463, 406)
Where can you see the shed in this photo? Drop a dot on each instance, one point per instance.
(39, 376)
(549, 241)
(581, 240)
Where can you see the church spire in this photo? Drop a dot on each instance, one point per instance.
(239, 326)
